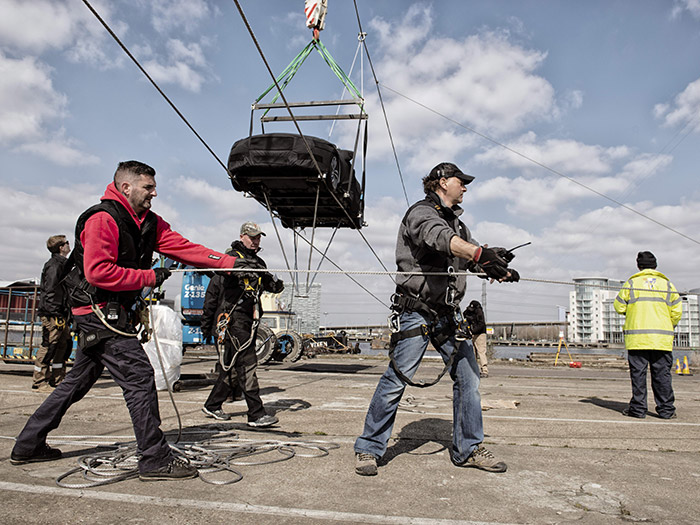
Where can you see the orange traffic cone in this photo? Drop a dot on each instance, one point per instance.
(678, 366)
(686, 368)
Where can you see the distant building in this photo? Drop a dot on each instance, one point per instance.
(593, 319)
(306, 306)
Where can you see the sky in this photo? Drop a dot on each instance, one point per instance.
(579, 120)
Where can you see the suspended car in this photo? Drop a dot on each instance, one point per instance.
(306, 181)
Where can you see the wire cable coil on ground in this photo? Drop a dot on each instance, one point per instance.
(215, 459)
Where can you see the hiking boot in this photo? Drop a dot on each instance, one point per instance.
(265, 421)
(365, 464)
(43, 388)
(626, 412)
(483, 374)
(482, 459)
(46, 453)
(216, 414)
(176, 469)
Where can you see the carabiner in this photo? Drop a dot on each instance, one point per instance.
(394, 322)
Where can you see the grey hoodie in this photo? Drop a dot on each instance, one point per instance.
(423, 245)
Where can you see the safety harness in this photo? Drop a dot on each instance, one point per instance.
(251, 286)
(124, 313)
(403, 303)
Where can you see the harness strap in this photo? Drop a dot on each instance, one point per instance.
(404, 303)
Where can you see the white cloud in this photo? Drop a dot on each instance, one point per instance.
(566, 156)
(184, 64)
(619, 234)
(36, 26)
(28, 219)
(684, 109)
(180, 73)
(484, 81)
(42, 25)
(223, 204)
(692, 6)
(61, 150)
(594, 170)
(28, 107)
(27, 99)
(169, 15)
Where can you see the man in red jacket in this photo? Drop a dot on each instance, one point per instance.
(114, 245)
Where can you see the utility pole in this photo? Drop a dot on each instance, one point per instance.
(483, 298)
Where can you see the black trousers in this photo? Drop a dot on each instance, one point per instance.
(243, 372)
(129, 366)
(659, 362)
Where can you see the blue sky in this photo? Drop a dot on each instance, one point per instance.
(606, 94)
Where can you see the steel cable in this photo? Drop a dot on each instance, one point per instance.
(211, 457)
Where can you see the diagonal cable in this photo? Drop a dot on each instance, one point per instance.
(544, 166)
(128, 53)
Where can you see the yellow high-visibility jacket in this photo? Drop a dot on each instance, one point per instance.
(652, 308)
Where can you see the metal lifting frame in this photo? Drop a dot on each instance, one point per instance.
(283, 81)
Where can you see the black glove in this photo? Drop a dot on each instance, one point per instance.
(514, 276)
(161, 275)
(492, 264)
(272, 284)
(504, 254)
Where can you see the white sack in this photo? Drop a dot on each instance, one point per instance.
(168, 329)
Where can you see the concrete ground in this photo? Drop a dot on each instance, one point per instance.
(571, 455)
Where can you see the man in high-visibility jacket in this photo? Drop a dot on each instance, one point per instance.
(652, 308)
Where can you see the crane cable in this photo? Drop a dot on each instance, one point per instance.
(296, 124)
(135, 61)
(381, 101)
(182, 117)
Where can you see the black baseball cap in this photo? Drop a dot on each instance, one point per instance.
(447, 170)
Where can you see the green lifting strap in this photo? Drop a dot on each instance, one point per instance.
(288, 74)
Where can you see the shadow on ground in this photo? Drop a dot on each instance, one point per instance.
(418, 433)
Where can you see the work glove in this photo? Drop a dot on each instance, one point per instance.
(272, 284)
(514, 276)
(161, 275)
(504, 254)
(491, 263)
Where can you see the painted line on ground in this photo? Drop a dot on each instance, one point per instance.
(224, 506)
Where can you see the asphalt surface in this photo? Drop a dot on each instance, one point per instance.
(572, 456)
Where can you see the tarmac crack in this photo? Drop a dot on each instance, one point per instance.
(570, 495)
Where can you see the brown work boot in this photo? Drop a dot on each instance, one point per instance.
(482, 459)
(365, 464)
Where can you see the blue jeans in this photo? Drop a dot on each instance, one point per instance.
(468, 428)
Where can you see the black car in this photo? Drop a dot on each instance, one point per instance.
(276, 168)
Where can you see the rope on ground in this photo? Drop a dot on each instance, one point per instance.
(214, 458)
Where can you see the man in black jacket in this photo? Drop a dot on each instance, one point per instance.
(49, 364)
(229, 315)
(431, 245)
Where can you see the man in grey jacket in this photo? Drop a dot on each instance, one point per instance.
(432, 239)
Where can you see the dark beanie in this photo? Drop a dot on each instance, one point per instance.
(646, 260)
